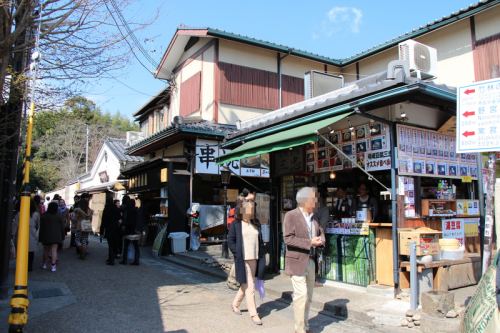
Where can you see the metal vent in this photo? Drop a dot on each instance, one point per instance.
(422, 57)
(404, 52)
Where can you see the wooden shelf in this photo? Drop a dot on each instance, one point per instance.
(466, 216)
(449, 204)
(380, 224)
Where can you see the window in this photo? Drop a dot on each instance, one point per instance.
(144, 127)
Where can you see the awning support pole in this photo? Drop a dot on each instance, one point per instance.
(356, 164)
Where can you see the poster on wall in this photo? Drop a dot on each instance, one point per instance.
(378, 160)
(288, 161)
(454, 229)
(433, 154)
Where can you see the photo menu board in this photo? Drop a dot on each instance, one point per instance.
(358, 144)
(429, 153)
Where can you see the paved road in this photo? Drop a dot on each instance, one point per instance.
(156, 297)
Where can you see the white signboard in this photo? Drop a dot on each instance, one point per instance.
(378, 160)
(478, 117)
(454, 228)
(206, 152)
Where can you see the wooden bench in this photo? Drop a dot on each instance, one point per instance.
(452, 274)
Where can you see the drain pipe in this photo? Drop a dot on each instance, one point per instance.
(392, 128)
(279, 70)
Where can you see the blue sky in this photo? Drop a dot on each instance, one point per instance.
(336, 29)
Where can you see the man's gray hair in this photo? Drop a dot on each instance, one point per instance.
(304, 193)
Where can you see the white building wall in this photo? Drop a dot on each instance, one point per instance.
(193, 49)
(229, 114)
(487, 23)
(248, 56)
(208, 84)
(112, 167)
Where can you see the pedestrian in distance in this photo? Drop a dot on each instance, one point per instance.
(34, 226)
(129, 223)
(246, 243)
(119, 244)
(51, 234)
(72, 242)
(38, 205)
(47, 201)
(83, 212)
(231, 279)
(110, 228)
(64, 211)
(302, 235)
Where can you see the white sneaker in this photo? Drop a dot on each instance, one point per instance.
(43, 265)
(53, 268)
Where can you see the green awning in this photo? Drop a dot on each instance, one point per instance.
(278, 141)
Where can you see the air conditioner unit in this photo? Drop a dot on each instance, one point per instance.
(422, 59)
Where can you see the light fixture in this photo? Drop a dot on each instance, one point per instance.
(225, 175)
(331, 131)
(350, 125)
(372, 120)
(291, 148)
(403, 113)
(332, 175)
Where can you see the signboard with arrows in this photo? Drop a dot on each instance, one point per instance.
(478, 117)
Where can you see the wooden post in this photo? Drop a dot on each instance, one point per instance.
(490, 196)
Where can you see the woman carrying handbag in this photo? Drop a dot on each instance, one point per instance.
(246, 243)
(83, 218)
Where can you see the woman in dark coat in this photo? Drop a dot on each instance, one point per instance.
(110, 228)
(246, 243)
(51, 234)
(129, 223)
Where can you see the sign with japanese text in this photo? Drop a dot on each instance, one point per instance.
(378, 161)
(454, 228)
(478, 117)
(434, 156)
(208, 150)
(356, 144)
(290, 161)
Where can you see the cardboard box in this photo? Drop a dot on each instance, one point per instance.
(427, 242)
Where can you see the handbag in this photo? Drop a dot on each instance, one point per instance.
(84, 226)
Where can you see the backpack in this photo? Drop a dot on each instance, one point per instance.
(230, 218)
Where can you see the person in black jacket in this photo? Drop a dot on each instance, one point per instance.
(246, 243)
(110, 228)
(129, 222)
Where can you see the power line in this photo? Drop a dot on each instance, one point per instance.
(131, 34)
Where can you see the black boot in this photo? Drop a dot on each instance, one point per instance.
(31, 256)
(136, 259)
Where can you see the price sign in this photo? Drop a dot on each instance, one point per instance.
(466, 179)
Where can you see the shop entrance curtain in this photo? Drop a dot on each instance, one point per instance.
(289, 138)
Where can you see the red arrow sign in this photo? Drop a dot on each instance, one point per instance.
(470, 91)
(469, 113)
(467, 134)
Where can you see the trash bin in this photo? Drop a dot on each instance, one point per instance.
(178, 241)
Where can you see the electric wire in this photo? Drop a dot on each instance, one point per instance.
(131, 34)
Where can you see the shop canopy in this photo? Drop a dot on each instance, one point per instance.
(278, 141)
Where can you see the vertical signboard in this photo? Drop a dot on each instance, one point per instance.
(478, 117)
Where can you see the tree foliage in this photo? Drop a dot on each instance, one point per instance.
(59, 140)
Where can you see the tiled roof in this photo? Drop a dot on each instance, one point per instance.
(117, 146)
(203, 126)
(438, 23)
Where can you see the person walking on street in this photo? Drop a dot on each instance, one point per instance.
(83, 212)
(302, 235)
(246, 243)
(110, 228)
(38, 205)
(64, 211)
(72, 242)
(34, 226)
(119, 244)
(131, 232)
(51, 234)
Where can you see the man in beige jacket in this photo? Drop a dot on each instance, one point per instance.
(302, 235)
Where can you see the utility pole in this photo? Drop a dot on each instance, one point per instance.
(19, 301)
(490, 195)
(87, 151)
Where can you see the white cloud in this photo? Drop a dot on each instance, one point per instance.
(339, 17)
(314, 36)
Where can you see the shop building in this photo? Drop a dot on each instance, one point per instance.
(395, 128)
